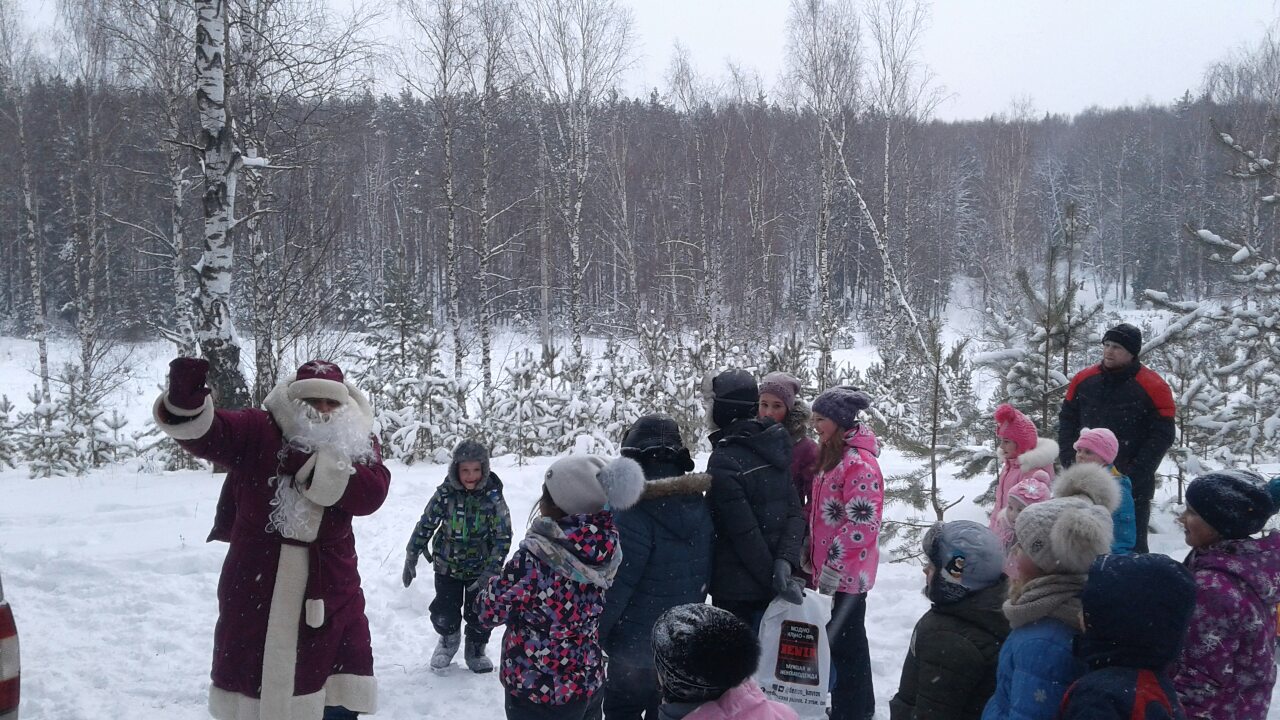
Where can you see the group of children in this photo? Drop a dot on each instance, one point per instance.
(1043, 613)
(1047, 614)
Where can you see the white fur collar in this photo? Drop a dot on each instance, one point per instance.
(1044, 453)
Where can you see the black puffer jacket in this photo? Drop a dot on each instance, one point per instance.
(754, 508)
(950, 670)
(1134, 403)
(666, 561)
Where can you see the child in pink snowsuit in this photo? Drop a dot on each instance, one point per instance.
(1027, 458)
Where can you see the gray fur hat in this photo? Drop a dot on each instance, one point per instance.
(1063, 535)
(588, 483)
(470, 451)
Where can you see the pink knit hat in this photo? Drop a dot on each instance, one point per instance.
(1013, 425)
(1101, 442)
(1030, 492)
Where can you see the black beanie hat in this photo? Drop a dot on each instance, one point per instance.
(732, 395)
(1126, 336)
(1236, 503)
(1119, 631)
(701, 652)
(654, 441)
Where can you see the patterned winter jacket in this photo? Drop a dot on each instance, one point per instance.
(1227, 667)
(550, 596)
(844, 514)
(471, 528)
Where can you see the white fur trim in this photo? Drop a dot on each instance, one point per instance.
(227, 705)
(354, 692)
(1043, 454)
(314, 613)
(193, 429)
(623, 482)
(328, 477)
(1091, 482)
(280, 654)
(319, 388)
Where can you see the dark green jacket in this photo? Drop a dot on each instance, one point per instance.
(950, 670)
(471, 529)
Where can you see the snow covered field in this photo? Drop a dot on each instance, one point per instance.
(113, 585)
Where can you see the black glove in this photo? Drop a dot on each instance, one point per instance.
(782, 584)
(410, 568)
(482, 582)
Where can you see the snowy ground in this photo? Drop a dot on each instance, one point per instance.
(113, 585)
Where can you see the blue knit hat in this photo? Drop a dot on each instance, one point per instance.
(1236, 503)
(842, 405)
(967, 556)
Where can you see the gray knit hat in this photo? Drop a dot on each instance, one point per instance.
(783, 386)
(842, 405)
(587, 483)
(1064, 534)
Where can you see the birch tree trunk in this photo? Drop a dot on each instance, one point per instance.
(221, 161)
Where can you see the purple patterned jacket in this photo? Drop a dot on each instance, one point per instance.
(550, 596)
(1227, 666)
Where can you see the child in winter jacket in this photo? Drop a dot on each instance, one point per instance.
(950, 670)
(705, 658)
(1227, 666)
(780, 401)
(471, 526)
(755, 510)
(1129, 645)
(844, 524)
(1057, 542)
(1027, 492)
(1097, 447)
(551, 593)
(1027, 459)
(666, 561)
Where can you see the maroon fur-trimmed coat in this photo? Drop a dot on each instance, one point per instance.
(292, 636)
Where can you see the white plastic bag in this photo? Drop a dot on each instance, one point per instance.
(795, 660)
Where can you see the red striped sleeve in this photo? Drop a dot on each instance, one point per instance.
(1080, 377)
(1158, 390)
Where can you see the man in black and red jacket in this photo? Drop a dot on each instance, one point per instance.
(1132, 401)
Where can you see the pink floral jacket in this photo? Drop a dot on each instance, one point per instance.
(844, 514)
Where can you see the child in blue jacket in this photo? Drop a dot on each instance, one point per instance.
(1130, 645)
(1057, 540)
(1098, 447)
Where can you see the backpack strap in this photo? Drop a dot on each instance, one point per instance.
(1148, 691)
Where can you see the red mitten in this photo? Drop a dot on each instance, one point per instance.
(187, 389)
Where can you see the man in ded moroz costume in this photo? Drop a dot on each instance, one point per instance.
(292, 639)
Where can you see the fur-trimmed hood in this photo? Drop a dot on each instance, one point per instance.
(690, 484)
(1042, 455)
(797, 420)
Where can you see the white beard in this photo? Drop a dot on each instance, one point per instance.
(343, 431)
(292, 514)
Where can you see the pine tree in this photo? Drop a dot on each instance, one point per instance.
(1239, 409)
(10, 450)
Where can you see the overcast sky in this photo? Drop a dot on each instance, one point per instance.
(1062, 55)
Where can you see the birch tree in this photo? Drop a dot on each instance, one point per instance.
(222, 162)
(575, 52)
(16, 54)
(824, 62)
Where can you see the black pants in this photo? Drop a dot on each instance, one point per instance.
(631, 692)
(521, 709)
(453, 603)
(748, 611)
(852, 694)
(338, 712)
(1142, 518)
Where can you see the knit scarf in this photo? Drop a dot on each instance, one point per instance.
(1050, 596)
(547, 542)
